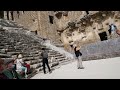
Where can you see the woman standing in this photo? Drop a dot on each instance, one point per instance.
(78, 55)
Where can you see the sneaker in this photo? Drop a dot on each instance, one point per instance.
(81, 67)
(50, 72)
(78, 67)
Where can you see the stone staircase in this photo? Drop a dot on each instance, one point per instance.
(15, 41)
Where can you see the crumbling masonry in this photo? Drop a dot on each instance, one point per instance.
(66, 27)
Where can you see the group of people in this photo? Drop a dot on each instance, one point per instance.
(14, 68)
(78, 56)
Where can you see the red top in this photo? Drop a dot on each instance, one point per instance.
(28, 66)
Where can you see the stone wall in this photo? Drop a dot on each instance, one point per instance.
(101, 49)
(37, 22)
(27, 18)
(47, 29)
(89, 27)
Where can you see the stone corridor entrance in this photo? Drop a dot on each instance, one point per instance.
(103, 36)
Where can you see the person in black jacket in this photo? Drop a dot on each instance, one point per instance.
(78, 56)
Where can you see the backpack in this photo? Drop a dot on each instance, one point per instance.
(44, 54)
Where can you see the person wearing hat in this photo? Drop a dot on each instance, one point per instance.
(44, 55)
(9, 72)
(78, 55)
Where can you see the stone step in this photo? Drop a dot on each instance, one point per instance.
(34, 66)
(12, 50)
(55, 55)
(35, 52)
(13, 53)
(52, 51)
(35, 47)
(25, 55)
(2, 44)
(32, 74)
(65, 62)
(4, 56)
(36, 58)
(28, 58)
(39, 66)
(54, 64)
(59, 57)
(1, 29)
(34, 62)
(2, 39)
(36, 55)
(3, 51)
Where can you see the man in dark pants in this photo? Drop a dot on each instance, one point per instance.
(44, 55)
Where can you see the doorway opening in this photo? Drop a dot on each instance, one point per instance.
(51, 19)
(103, 36)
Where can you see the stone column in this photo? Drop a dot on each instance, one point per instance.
(39, 25)
(96, 31)
(1, 14)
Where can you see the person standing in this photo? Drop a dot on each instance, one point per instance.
(44, 55)
(78, 55)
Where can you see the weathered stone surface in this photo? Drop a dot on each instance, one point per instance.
(4, 56)
(13, 53)
(101, 50)
(15, 41)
